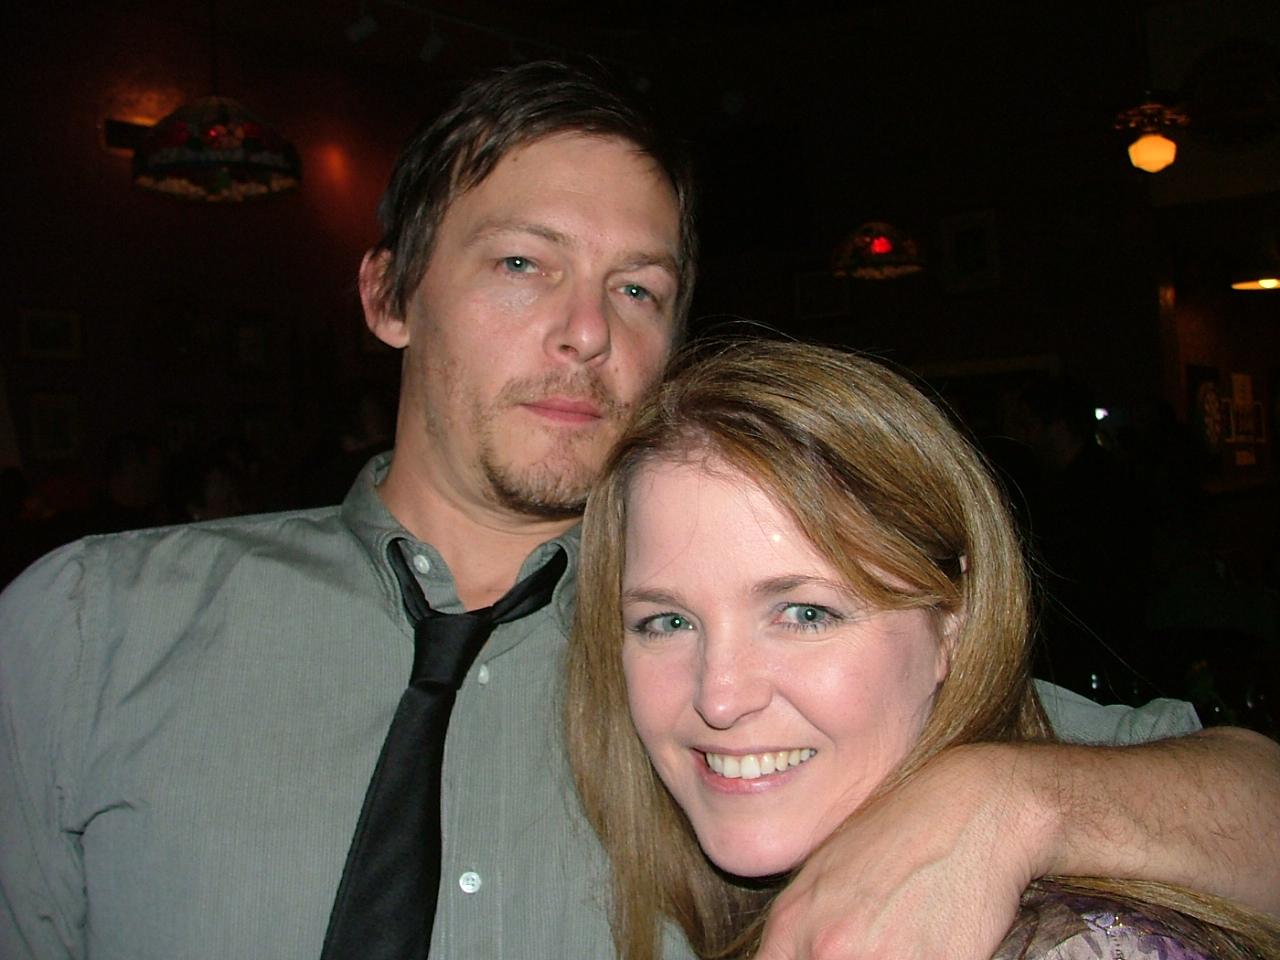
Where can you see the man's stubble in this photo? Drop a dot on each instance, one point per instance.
(556, 486)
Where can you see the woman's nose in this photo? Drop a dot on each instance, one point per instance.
(733, 683)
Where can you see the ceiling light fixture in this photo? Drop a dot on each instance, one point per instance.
(1259, 268)
(876, 251)
(1152, 151)
(214, 149)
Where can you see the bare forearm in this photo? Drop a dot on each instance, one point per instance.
(1201, 811)
(936, 866)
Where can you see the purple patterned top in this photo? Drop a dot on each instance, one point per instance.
(1054, 924)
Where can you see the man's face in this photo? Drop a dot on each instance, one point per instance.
(546, 309)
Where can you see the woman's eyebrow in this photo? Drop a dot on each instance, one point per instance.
(784, 584)
(658, 597)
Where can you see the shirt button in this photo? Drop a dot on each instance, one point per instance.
(422, 563)
(482, 675)
(469, 882)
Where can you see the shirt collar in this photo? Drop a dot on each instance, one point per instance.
(368, 518)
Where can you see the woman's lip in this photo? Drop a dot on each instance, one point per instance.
(738, 787)
(565, 410)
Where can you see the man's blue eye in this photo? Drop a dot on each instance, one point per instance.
(635, 291)
(518, 264)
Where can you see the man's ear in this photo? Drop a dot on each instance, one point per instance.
(393, 331)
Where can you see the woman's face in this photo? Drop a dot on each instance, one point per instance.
(771, 700)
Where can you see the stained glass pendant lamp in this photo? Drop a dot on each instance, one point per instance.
(876, 251)
(213, 149)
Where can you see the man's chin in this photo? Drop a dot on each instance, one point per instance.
(541, 491)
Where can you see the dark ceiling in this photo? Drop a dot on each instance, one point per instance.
(479, 33)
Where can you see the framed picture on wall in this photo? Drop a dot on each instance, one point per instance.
(55, 426)
(1208, 412)
(49, 334)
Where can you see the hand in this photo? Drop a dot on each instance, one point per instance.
(934, 869)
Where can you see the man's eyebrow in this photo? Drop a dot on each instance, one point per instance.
(496, 227)
(664, 260)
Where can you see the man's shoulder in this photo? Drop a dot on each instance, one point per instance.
(170, 558)
(1077, 719)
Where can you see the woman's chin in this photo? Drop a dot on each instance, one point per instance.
(752, 862)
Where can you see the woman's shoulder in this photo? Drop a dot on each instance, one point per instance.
(1059, 924)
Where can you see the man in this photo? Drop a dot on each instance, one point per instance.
(190, 716)
(1093, 533)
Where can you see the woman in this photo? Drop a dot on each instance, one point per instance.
(805, 584)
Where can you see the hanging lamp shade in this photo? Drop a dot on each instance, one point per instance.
(1152, 152)
(876, 251)
(1259, 267)
(214, 149)
(1151, 120)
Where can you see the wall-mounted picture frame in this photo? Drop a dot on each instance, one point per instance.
(1243, 424)
(1208, 412)
(49, 334)
(970, 252)
(55, 426)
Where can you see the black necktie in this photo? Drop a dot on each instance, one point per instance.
(386, 901)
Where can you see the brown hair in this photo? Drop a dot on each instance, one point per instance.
(504, 110)
(888, 491)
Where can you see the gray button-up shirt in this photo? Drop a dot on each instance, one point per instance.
(189, 718)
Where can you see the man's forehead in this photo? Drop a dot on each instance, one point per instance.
(529, 189)
(548, 149)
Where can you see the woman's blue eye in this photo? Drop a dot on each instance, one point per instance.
(518, 264)
(636, 292)
(804, 614)
(667, 623)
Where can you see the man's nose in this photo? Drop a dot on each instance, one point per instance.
(583, 333)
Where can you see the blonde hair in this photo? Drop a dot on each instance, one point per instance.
(888, 491)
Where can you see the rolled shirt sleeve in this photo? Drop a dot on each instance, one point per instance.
(1077, 719)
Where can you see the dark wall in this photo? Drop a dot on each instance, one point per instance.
(196, 320)
(991, 115)
(934, 117)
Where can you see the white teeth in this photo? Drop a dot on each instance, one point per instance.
(752, 766)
